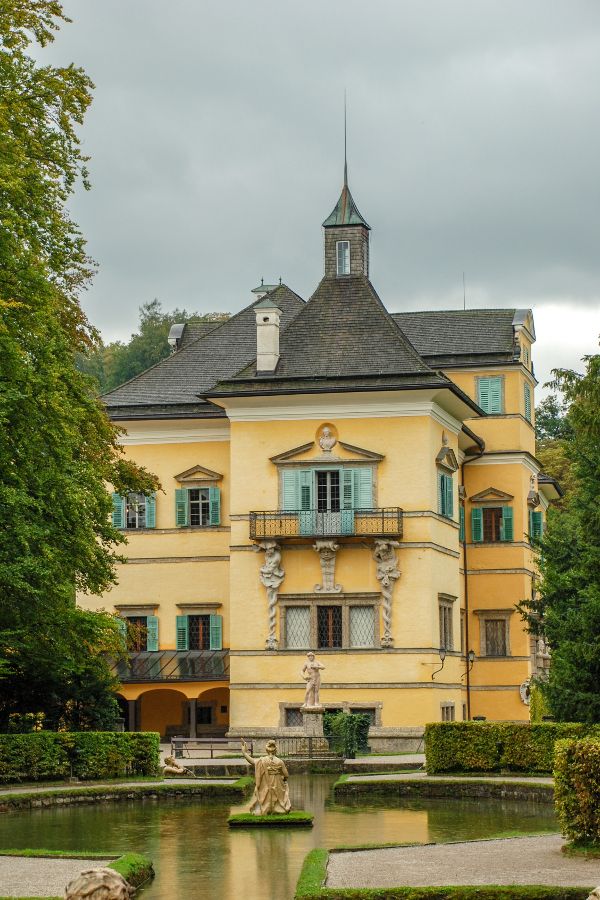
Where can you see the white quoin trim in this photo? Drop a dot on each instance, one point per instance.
(267, 338)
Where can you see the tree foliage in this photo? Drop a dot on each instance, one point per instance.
(113, 364)
(567, 607)
(57, 447)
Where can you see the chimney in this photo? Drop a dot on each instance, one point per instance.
(268, 316)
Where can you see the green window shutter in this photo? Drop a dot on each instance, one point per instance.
(476, 525)
(182, 633)
(216, 632)
(347, 479)
(214, 500)
(151, 511)
(530, 525)
(122, 623)
(461, 523)
(483, 393)
(182, 514)
(118, 511)
(537, 525)
(449, 496)
(440, 493)
(495, 389)
(306, 478)
(363, 488)
(152, 632)
(527, 390)
(290, 489)
(506, 527)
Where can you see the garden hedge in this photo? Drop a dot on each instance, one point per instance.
(497, 746)
(347, 733)
(51, 756)
(577, 790)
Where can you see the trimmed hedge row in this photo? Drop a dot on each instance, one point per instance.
(497, 746)
(50, 756)
(577, 790)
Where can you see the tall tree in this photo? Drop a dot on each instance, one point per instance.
(57, 446)
(553, 431)
(567, 607)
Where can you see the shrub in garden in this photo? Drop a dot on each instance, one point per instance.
(347, 733)
(577, 790)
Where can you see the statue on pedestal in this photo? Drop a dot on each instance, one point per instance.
(311, 673)
(271, 791)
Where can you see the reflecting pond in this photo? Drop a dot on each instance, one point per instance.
(196, 855)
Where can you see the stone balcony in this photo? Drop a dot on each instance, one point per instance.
(310, 524)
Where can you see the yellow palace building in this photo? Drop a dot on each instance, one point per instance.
(339, 478)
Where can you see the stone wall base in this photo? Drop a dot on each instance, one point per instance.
(381, 740)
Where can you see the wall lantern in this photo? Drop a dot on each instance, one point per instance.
(442, 653)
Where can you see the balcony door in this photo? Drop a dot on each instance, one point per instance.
(328, 512)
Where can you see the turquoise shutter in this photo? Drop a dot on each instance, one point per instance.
(506, 528)
(449, 496)
(118, 511)
(536, 529)
(214, 500)
(527, 402)
(182, 633)
(530, 525)
(363, 488)
(461, 523)
(495, 389)
(290, 489)
(305, 501)
(152, 633)
(182, 515)
(347, 479)
(122, 623)
(216, 632)
(483, 393)
(440, 493)
(476, 525)
(151, 511)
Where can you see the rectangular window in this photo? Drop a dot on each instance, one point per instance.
(329, 626)
(369, 711)
(199, 507)
(489, 394)
(462, 632)
(536, 525)
(495, 637)
(362, 626)
(293, 718)
(343, 257)
(447, 710)
(199, 632)
(446, 633)
(328, 491)
(527, 398)
(464, 706)
(137, 633)
(204, 715)
(135, 511)
(492, 523)
(297, 627)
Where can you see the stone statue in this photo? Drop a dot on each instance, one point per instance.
(384, 554)
(271, 791)
(327, 441)
(271, 575)
(172, 767)
(99, 884)
(311, 673)
(327, 551)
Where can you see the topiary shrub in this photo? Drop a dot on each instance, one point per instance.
(497, 746)
(577, 790)
(49, 755)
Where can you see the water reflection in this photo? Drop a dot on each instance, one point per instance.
(195, 854)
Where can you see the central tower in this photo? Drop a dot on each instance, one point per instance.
(346, 238)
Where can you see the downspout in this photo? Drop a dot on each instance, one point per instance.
(478, 455)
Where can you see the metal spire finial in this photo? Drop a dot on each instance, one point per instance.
(345, 145)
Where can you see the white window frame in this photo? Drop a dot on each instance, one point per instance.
(340, 248)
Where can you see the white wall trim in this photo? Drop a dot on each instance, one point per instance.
(172, 433)
(495, 459)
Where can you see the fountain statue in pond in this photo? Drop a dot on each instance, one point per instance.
(271, 791)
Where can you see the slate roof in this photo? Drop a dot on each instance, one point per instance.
(194, 330)
(173, 385)
(460, 337)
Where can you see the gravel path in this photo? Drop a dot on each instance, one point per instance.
(29, 877)
(32, 788)
(528, 860)
(410, 776)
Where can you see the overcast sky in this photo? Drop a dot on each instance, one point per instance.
(216, 137)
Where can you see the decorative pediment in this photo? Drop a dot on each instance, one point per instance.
(446, 458)
(491, 494)
(326, 449)
(198, 475)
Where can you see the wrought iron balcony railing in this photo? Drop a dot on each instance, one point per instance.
(383, 522)
(173, 665)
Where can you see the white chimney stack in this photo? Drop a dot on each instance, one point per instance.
(268, 317)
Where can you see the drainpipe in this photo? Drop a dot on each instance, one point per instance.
(478, 455)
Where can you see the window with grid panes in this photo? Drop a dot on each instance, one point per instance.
(293, 718)
(492, 523)
(199, 506)
(446, 635)
(365, 711)
(495, 637)
(362, 626)
(199, 632)
(135, 510)
(297, 627)
(328, 491)
(448, 714)
(329, 626)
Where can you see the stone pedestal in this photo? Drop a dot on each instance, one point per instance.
(312, 720)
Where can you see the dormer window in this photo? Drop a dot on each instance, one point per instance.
(343, 257)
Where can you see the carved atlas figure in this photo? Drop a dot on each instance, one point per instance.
(271, 792)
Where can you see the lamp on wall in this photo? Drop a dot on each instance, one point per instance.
(442, 652)
(471, 658)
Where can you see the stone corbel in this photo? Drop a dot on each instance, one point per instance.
(384, 554)
(271, 576)
(327, 551)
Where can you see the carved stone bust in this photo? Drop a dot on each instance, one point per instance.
(327, 441)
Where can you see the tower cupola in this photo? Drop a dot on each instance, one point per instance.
(346, 237)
